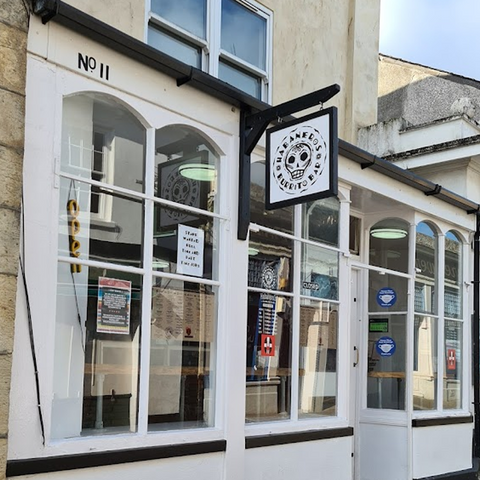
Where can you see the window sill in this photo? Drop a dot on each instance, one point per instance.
(444, 420)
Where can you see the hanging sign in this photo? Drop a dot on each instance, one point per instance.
(386, 297)
(302, 160)
(268, 345)
(190, 251)
(113, 306)
(386, 346)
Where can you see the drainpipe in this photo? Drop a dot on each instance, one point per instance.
(476, 339)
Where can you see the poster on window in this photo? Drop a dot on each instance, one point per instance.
(190, 251)
(113, 306)
(302, 160)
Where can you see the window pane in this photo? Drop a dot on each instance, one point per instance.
(425, 360)
(191, 15)
(318, 359)
(102, 141)
(175, 47)
(452, 384)
(386, 362)
(97, 347)
(280, 219)
(389, 244)
(181, 392)
(319, 272)
(269, 331)
(115, 236)
(269, 261)
(320, 221)
(453, 276)
(426, 269)
(238, 78)
(244, 33)
(184, 243)
(186, 168)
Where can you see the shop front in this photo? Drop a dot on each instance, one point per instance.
(333, 340)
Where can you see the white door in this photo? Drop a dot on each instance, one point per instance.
(380, 304)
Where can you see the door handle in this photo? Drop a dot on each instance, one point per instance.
(355, 349)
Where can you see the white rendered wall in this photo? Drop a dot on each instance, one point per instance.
(325, 459)
(441, 449)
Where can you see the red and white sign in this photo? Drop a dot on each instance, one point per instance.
(268, 345)
(451, 359)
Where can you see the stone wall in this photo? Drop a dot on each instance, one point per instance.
(13, 44)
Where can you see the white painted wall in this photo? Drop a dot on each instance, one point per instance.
(449, 445)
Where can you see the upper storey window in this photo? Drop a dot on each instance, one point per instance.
(227, 38)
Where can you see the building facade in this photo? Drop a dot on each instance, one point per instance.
(179, 327)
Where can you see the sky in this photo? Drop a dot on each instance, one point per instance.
(443, 34)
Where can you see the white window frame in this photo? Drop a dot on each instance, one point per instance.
(441, 230)
(294, 423)
(211, 51)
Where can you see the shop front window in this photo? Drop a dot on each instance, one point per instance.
(425, 329)
(119, 290)
(293, 294)
(453, 329)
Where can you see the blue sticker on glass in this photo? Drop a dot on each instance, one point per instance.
(386, 346)
(386, 297)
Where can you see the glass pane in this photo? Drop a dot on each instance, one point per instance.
(97, 347)
(102, 141)
(280, 219)
(269, 261)
(453, 276)
(386, 362)
(426, 269)
(320, 221)
(319, 272)
(184, 243)
(425, 360)
(175, 47)
(452, 383)
(387, 293)
(318, 359)
(244, 33)
(191, 15)
(115, 236)
(269, 361)
(186, 168)
(181, 387)
(389, 245)
(246, 82)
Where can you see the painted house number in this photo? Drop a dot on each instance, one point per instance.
(90, 64)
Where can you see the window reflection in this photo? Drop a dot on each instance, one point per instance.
(319, 272)
(453, 276)
(269, 331)
(318, 358)
(320, 221)
(426, 269)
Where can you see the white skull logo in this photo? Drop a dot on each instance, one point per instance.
(298, 160)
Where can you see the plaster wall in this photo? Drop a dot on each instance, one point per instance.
(420, 94)
(13, 40)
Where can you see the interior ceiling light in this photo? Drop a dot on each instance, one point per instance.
(198, 171)
(388, 233)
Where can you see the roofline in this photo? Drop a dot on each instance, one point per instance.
(84, 24)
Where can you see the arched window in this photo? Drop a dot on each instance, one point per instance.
(137, 274)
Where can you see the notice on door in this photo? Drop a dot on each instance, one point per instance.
(190, 251)
(113, 306)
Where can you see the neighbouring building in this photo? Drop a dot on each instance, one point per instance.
(180, 313)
